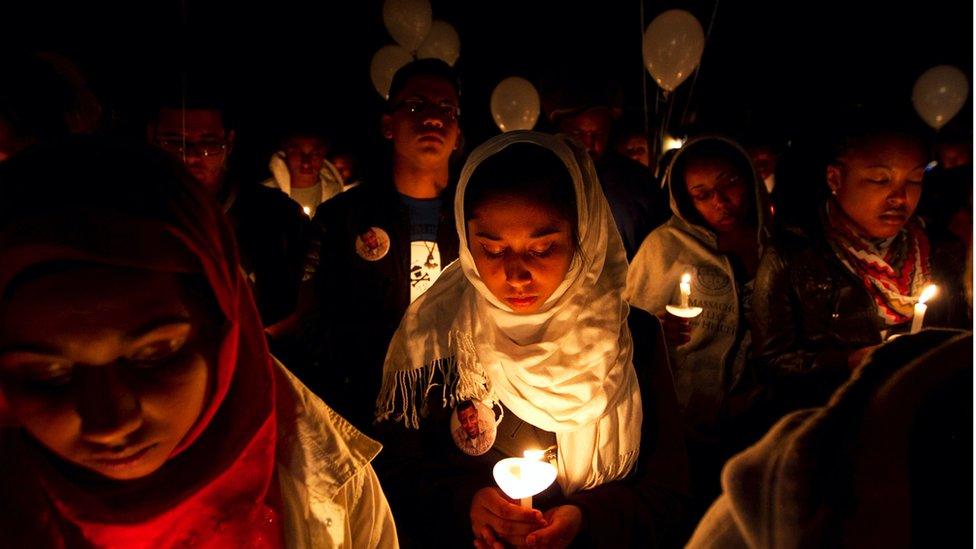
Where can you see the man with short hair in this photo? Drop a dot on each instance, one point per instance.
(270, 228)
(302, 171)
(357, 293)
(471, 437)
(632, 143)
(635, 200)
(347, 165)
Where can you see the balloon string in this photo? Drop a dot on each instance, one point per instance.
(647, 128)
(669, 97)
(694, 79)
(660, 95)
(657, 108)
(183, 79)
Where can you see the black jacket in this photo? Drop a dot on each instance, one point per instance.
(810, 313)
(636, 200)
(359, 303)
(430, 483)
(271, 232)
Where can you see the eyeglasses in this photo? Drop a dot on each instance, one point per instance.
(444, 109)
(722, 187)
(204, 147)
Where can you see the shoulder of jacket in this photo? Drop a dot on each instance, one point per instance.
(348, 203)
(316, 443)
(663, 244)
(265, 197)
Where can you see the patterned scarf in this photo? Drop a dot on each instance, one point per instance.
(893, 270)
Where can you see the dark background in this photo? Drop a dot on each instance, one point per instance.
(771, 68)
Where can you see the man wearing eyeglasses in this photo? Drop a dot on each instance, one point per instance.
(198, 138)
(355, 295)
(270, 228)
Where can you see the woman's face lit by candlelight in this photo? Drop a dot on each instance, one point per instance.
(719, 191)
(522, 249)
(107, 368)
(878, 183)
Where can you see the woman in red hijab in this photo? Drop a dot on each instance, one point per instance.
(141, 407)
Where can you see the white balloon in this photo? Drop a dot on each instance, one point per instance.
(939, 94)
(386, 61)
(673, 46)
(442, 43)
(515, 104)
(408, 21)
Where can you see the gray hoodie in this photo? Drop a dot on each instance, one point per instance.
(708, 366)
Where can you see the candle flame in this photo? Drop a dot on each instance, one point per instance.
(686, 278)
(307, 210)
(672, 143)
(524, 477)
(928, 293)
(534, 454)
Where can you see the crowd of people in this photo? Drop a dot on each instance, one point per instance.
(714, 350)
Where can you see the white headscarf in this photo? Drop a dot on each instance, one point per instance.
(566, 368)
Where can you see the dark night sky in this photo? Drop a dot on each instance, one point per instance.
(769, 66)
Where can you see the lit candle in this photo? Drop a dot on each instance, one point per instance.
(521, 478)
(307, 210)
(671, 143)
(685, 287)
(920, 307)
(684, 309)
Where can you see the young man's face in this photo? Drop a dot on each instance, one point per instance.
(635, 148)
(423, 124)
(369, 238)
(469, 422)
(304, 156)
(591, 128)
(196, 137)
(764, 159)
(344, 163)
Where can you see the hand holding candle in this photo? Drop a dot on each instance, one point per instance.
(521, 478)
(919, 317)
(495, 518)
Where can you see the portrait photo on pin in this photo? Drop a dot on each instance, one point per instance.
(373, 244)
(473, 427)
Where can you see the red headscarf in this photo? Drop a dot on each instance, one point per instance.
(132, 207)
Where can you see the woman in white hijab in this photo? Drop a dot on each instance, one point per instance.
(529, 325)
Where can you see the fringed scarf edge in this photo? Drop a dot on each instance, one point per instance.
(461, 378)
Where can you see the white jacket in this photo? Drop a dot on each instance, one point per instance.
(329, 177)
(331, 495)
